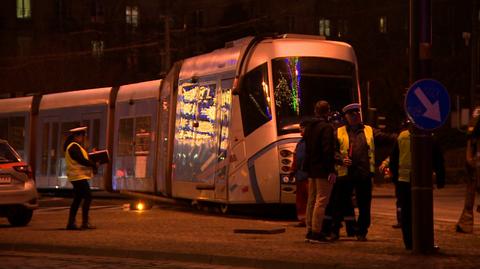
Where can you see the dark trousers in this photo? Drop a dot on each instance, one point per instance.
(363, 194)
(405, 200)
(81, 191)
(347, 215)
(397, 204)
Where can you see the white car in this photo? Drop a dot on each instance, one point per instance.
(18, 194)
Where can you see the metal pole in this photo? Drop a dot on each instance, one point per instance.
(474, 54)
(421, 179)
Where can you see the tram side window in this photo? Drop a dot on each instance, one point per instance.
(142, 135)
(254, 98)
(125, 137)
(12, 129)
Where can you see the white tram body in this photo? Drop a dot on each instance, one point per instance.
(235, 144)
(220, 127)
(58, 113)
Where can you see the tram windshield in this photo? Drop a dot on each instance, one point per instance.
(299, 82)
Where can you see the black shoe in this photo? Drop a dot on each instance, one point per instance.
(319, 238)
(72, 227)
(87, 226)
(397, 226)
(308, 237)
(334, 236)
(300, 224)
(361, 238)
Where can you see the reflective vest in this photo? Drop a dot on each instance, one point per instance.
(404, 158)
(76, 171)
(343, 141)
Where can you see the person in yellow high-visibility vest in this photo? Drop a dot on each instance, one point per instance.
(400, 164)
(79, 171)
(356, 167)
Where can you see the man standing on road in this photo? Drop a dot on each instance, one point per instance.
(79, 171)
(320, 165)
(356, 147)
(400, 164)
(465, 223)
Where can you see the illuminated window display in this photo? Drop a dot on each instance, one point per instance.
(201, 135)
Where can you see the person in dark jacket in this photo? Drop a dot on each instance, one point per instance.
(466, 220)
(400, 165)
(301, 178)
(320, 165)
(79, 171)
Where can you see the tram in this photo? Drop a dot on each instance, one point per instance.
(220, 127)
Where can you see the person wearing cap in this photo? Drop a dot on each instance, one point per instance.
(400, 163)
(320, 166)
(356, 167)
(465, 222)
(79, 171)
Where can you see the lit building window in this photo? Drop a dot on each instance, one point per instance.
(24, 9)
(324, 27)
(382, 24)
(131, 13)
(97, 48)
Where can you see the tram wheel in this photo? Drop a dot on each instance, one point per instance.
(224, 208)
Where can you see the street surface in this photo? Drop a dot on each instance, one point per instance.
(177, 236)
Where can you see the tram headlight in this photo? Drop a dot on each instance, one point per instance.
(285, 169)
(285, 153)
(285, 179)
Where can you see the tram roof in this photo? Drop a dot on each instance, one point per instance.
(218, 61)
(142, 90)
(99, 96)
(13, 105)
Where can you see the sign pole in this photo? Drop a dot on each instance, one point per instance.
(421, 146)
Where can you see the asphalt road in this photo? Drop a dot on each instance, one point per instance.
(178, 236)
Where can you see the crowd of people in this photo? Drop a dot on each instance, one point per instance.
(335, 162)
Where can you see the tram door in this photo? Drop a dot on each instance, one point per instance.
(49, 154)
(223, 118)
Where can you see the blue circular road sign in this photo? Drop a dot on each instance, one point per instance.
(427, 104)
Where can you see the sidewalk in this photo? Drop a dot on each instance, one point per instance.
(163, 233)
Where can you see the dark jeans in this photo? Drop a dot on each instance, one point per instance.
(397, 204)
(363, 194)
(81, 190)
(348, 215)
(405, 200)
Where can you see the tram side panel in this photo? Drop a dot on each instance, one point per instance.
(196, 143)
(135, 141)
(52, 132)
(256, 179)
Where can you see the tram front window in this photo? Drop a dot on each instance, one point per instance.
(299, 82)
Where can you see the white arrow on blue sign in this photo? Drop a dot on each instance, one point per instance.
(427, 104)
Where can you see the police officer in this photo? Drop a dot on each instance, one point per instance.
(356, 155)
(465, 223)
(79, 171)
(401, 163)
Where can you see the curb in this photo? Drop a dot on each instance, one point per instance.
(160, 255)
